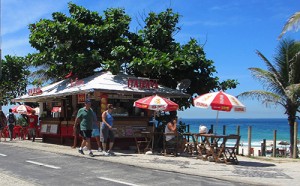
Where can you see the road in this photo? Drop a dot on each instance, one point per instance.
(46, 168)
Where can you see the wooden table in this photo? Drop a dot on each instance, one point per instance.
(211, 146)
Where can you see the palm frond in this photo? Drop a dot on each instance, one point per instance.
(268, 63)
(291, 24)
(268, 79)
(263, 96)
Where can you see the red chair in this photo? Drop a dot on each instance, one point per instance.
(24, 132)
(5, 132)
(17, 132)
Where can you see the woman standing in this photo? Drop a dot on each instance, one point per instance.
(3, 122)
(106, 130)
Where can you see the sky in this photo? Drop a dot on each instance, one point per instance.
(230, 32)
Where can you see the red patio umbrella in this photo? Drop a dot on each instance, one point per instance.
(22, 109)
(219, 101)
(156, 103)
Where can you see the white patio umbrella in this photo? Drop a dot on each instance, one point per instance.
(219, 101)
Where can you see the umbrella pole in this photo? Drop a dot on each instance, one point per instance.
(217, 122)
(153, 128)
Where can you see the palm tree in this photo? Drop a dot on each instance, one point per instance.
(281, 81)
(293, 23)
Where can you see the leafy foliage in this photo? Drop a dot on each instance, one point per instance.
(14, 78)
(281, 81)
(86, 41)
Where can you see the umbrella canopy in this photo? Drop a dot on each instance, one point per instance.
(22, 109)
(37, 110)
(219, 101)
(156, 103)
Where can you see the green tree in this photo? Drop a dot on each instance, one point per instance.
(281, 81)
(88, 41)
(291, 24)
(158, 56)
(14, 78)
(85, 40)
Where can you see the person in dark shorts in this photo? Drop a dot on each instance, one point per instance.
(106, 130)
(84, 118)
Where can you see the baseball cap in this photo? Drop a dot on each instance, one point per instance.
(88, 101)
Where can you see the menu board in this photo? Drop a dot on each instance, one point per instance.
(49, 128)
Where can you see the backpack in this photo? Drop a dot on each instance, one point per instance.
(11, 118)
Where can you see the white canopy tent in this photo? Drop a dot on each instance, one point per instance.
(104, 82)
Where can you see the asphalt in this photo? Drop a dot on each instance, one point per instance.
(250, 170)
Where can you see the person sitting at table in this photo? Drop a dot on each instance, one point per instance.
(171, 127)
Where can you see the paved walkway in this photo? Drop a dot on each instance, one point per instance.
(257, 171)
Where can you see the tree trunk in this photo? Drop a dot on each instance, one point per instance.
(291, 139)
(291, 123)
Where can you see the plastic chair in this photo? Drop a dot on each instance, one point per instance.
(5, 132)
(17, 132)
(24, 132)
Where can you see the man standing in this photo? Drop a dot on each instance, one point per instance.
(84, 118)
(32, 121)
(11, 119)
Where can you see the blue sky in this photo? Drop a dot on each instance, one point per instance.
(230, 31)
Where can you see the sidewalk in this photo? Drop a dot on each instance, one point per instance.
(257, 171)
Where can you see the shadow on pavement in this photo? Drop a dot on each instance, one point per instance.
(255, 164)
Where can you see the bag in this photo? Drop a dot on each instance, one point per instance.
(11, 118)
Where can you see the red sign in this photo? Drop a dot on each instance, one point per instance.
(81, 98)
(35, 91)
(142, 83)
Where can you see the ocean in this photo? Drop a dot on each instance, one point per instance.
(261, 128)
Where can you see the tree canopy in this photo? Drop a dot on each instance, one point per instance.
(85, 42)
(14, 78)
(281, 81)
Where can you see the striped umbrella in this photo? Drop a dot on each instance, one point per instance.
(156, 103)
(219, 101)
(22, 109)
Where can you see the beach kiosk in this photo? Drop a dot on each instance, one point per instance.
(60, 101)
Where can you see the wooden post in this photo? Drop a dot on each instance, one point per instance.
(238, 133)
(224, 129)
(212, 130)
(263, 149)
(249, 140)
(274, 144)
(295, 151)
